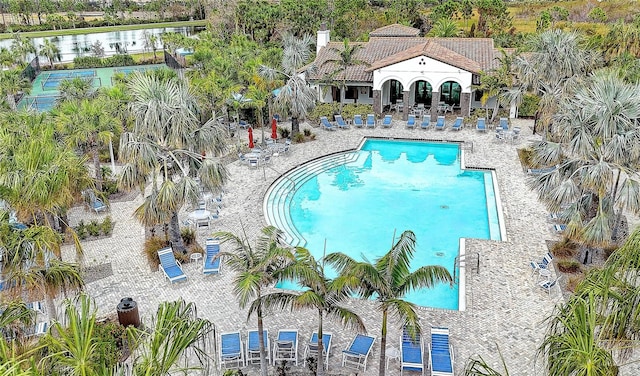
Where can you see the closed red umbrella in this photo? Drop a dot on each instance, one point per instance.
(251, 145)
(274, 129)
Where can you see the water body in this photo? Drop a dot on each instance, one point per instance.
(131, 41)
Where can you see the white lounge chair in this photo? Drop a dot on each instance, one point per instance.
(312, 348)
(285, 347)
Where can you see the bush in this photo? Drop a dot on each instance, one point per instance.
(569, 266)
(118, 60)
(299, 138)
(574, 281)
(188, 235)
(564, 248)
(107, 225)
(529, 105)
(93, 228)
(87, 62)
(151, 247)
(307, 132)
(81, 230)
(110, 338)
(283, 132)
(323, 109)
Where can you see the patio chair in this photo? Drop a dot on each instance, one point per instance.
(95, 203)
(440, 124)
(39, 329)
(481, 125)
(312, 348)
(440, 352)
(231, 350)
(324, 122)
(459, 123)
(170, 266)
(211, 261)
(541, 171)
(36, 306)
(426, 122)
(386, 122)
(411, 122)
(243, 124)
(285, 347)
(341, 123)
(504, 124)
(559, 228)
(411, 353)
(356, 354)
(371, 121)
(253, 346)
(357, 121)
(548, 285)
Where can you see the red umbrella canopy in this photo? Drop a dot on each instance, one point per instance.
(274, 129)
(251, 145)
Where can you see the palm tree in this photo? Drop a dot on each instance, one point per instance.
(50, 50)
(255, 269)
(87, 125)
(169, 143)
(594, 143)
(388, 280)
(22, 46)
(498, 84)
(346, 58)
(296, 97)
(176, 328)
(54, 278)
(75, 89)
(12, 83)
(321, 294)
(445, 28)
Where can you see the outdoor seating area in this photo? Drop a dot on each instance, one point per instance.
(261, 156)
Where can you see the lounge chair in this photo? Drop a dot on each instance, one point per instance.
(356, 354)
(371, 121)
(481, 125)
(386, 122)
(411, 353)
(459, 123)
(170, 266)
(39, 329)
(504, 124)
(341, 123)
(357, 121)
(285, 347)
(324, 122)
(440, 124)
(211, 263)
(253, 346)
(440, 352)
(98, 206)
(231, 350)
(548, 285)
(312, 348)
(36, 306)
(243, 124)
(426, 122)
(411, 122)
(559, 228)
(541, 171)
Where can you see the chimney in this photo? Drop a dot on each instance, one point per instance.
(323, 37)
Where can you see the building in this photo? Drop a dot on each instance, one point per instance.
(401, 71)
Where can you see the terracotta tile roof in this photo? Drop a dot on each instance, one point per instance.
(471, 54)
(395, 30)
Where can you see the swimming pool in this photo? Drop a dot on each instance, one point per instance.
(357, 200)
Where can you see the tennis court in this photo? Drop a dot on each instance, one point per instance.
(45, 88)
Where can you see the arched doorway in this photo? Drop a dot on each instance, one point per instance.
(422, 93)
(395, 91)
(450, 93)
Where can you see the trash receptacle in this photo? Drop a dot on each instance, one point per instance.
(128, 312)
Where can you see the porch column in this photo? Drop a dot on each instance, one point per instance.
(377, 102)
(405, 101)
(435, 101)
(465, 104)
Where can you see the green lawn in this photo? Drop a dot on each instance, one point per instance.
(105, 29)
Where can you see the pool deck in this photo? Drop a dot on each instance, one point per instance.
(504, 305)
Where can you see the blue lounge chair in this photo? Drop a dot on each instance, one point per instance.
(440, 353)
(231, 350)
(541, 171)
(98, 206)
(285, 347)
(341, 123)
(253, 346)
(356, 354)
(504, 124)
(440, 124)
(357, 121)
(411, 353)
(386, 122)
(411, 122)
(371, 121)
(559, 227)
(243, 124)
(458, 124)
(170, 266)
(324, 122)
(39, 329)
(426, 122)
(312, 348)
(211, 263)
(481, 125)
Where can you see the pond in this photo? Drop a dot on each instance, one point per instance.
(130, 41)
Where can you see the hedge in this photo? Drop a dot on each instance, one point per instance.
(119, 60)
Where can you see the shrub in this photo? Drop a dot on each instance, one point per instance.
(564, 248)
(110, 341)
(569, 266)
(110, 187)
(529, 105)
(283, 132)
(107, 225)
(307, 132)
(151, 247)
(188, 235)
(574, 281)
(81, 230)
(609, 249)
(299, 138)
(93, 228)
(87, 62)
(323, 109)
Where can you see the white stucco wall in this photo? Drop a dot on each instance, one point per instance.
(434, 72)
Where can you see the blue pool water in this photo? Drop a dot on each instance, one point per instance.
(355, 202)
